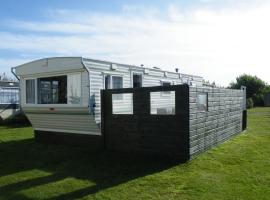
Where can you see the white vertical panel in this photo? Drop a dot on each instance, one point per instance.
(85, 88)
(74, 88)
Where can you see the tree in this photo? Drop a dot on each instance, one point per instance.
(256, 88)
(4, 77)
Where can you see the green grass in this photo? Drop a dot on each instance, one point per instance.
(237, 169)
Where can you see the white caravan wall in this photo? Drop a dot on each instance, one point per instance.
(151, 77)
(85, 116)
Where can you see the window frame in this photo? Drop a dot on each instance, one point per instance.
(114, 112)
(23, 94)
(111, 82)
(132, 79)
(51, 80)
(197, 100)
(174, 104)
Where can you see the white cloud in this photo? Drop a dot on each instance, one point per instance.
(7, 63)
(217, 44)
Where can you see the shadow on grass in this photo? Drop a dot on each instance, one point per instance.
(15, 125)
(18, 121)
(102, 168)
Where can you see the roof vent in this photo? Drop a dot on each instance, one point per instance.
(146, 71)
(113, 66)
(176, 70)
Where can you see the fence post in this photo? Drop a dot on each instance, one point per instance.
(244, 108)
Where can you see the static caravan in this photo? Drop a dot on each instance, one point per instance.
(62, 94)
(9, 99)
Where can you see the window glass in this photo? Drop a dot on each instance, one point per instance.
(114, 82)
(30, 91)
(202, 101)
(52, 90)
(162, 105)
(137, 80)
(125, 106)
(165, 84)
(74, 88)
(117, 82)
(107, 82)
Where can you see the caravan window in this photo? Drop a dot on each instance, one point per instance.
(137, 80)
(107, 82)
(162, 105)
(113, 82)
(52, 90)
(202, 101)
(122, 107)
(30, 91)
(164, 83)
(117, 82)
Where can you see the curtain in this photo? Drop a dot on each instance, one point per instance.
(30, 91)
(74, 88)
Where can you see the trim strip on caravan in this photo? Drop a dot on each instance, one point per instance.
(68, 131)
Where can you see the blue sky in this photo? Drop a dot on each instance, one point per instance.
(216, 39)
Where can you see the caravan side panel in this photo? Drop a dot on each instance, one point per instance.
(97, 74)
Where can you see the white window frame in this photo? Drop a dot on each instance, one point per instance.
(111, 83)
(24, 94)
(206, 106)
(151, 101)
(55, 104)
(51, 105)
(115, 112)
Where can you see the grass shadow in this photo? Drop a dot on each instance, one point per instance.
(103, 168)
(17, 121)
(15, 125)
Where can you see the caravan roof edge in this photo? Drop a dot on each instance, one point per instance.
(128, 65)
(79, 57)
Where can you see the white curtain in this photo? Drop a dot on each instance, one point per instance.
(74, 88)
(30, 91)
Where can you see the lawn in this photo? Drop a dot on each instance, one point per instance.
(237, 169)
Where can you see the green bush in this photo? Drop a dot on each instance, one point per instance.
(256, 88)
(258, 99)
(250, 103)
